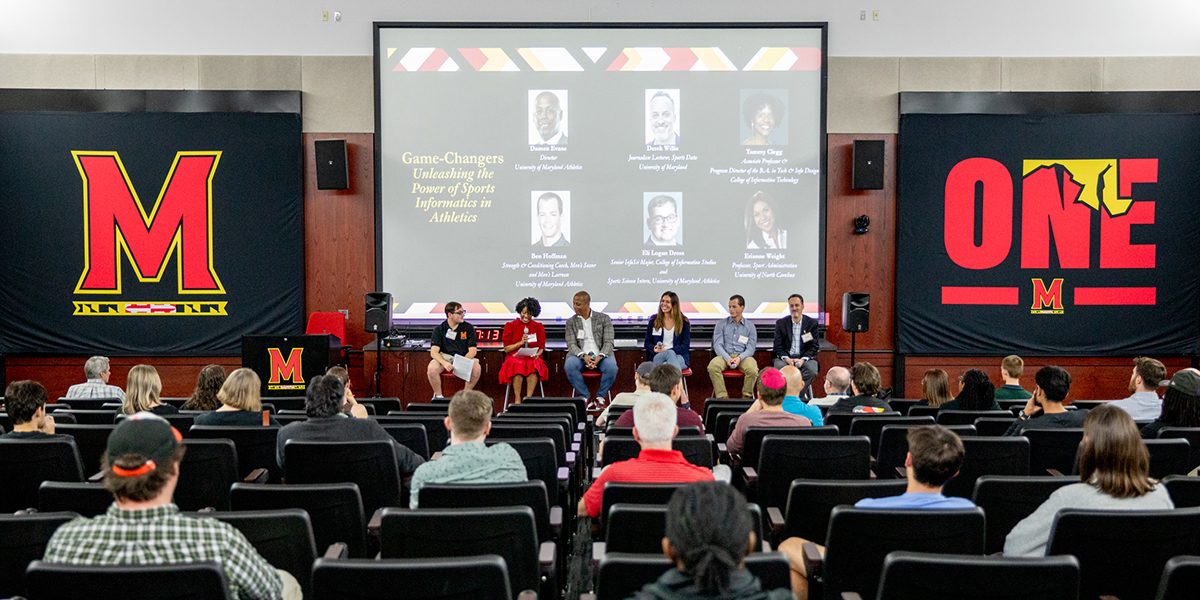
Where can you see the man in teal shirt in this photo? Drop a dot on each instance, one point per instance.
(792, 402)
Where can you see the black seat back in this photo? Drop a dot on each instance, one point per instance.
(621, 575)
(92, 441)
(616, 492)
(578, 410)
(967, 417)
(483, 495)
(811, 500)
(843, 420)
(993, 426)
(382, 406)
(872, 426)
(435, 427)
(86, 498)
(429, 407)
(698, 450)
(901, 405)
(25, 464)
(641, 527)
(182, 421)
(893, 447)
(182, 581)
(373, 465)
(83, 403)
(785, 459)
(283, 536)
(723, 424)
(286, 402)
(752, 443)
(1054, 449)
(1170, 456)
(256, 446)
(924, 411)
(860, 538)
(521, 429)
(712, 406)
(1185, 491)
(1192, 435)
(1007, 499)
(1122, 553)
(941, 577)
(87, 417)
(541, 464)
(335, 510)
(23, 539)
(409, 435)
(475, 577)
(628, 431)
(1181, 578)
(988, 456)
(207, 470)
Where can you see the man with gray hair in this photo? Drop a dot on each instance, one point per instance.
(654, 427)
(97, 371)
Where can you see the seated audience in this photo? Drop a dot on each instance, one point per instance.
(327, 423)
(975, 392)
(1181, 404)
(935, 388)
(25, 402)
(208, 383)
(708, 535)
(351, 405)
(143, 389)
(97, 371)
(1144, 404)
(143, 526)
(468, 459)
(654, 427)
(864, 382)
(1011, 369)
(793, 403)
(666, 379)
(1045, 409)
(837, 386)
(641, 387)
(1114, 474)
(767, 410)
(935, 454)
(241, 404)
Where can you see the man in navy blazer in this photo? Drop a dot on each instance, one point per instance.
(796, 342)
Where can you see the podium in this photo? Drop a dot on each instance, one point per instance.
(285, 363)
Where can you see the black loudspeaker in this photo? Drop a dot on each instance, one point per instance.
(868, 165)
(332, 172)
(378, 317)
(856, 312)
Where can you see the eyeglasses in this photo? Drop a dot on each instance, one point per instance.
(668, 219)
(459, 312)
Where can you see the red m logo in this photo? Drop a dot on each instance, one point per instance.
(286, 369)
(114, 220)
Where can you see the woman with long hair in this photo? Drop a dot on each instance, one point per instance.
(669, 334)
(1114, 474)
(241, 402)
(762, 224)
(708, 536)
(524, 370)
(204, 397)
(935, 388)
(975, 392)
(1180, 405)
(143, 389)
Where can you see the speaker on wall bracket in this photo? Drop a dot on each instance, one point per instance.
(332, 170)
(867, 170)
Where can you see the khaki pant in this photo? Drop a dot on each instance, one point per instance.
(291, 587)
(747, 366)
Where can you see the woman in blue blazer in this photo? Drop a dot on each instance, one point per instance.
(669, 335)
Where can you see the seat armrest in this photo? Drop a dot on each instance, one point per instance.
(587, 597)
(98, 477)
(814, 562)
(571, 457)
(375, 522)
(581, 426)
(851, 596)
(575, 446)
(577, 437)
(257, 476)
(1054, 472)
(436, 455)
(564, 474)
(776, 517)
(547, 551)
(751, 474)
(721, 447)
(709, 437)
(902, 471)
(599, 549)
(337, 550)
(532, 595)
(766, 546)
(556, 516)
(596, 472)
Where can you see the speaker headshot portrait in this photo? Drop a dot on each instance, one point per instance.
(548, 117)
(762, 223)
(551, 218)
(664, 218)
(662, 119)
(763, 113)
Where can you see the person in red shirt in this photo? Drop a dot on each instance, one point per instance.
(654, 418)
(667, 380)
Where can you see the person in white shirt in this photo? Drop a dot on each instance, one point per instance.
(590, 346)
(1144, 404)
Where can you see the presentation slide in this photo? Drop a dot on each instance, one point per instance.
(624, 161)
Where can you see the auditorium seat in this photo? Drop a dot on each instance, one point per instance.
(843, 420)
(620, 575)
(25, 464)
(382, 405)
(893, 448)
(182, 421)
(86, 416)
(86, 498)
(872, 427)
(477, 577)
(207, 470)
(256, 446)
(752, 442)
(1007, 499)
(993, 426)
(429, 407)
(1170, 456)
(809, 502)
(785, 459)
(435, 426)
(187, 581)
(988, 456)
(698, 450)
(23, 539)
(712, 406)
(901, 405)
(617, 492)
(724, 423)
(1184, 490)
(1191, 434)
(1180, 579)
(373, 465)
(92, 441)
(409, 435)
(967, 417)
(924, 411)
(1123, 553)
(939, 576)
(1056, 449)
(541, 464)
(640, 528)
(84, 403)
(335, 510)
(282, 402)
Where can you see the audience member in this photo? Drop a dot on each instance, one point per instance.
(143, 389)
(734, 341)
(935, 388)
(452, 337)
(767, 410)
(837, 386)
(666, 379)
(935, 454)
(641, 387)
(1144, 404)
(327, 423)
(468, 459)
(241, 404)
(1053, 384)
(143, 526)
(1114, 474)
(25, 402)
(793, 403)
(864, 382)
(1011, 369)
(97, 371)
(350, 405)
(590, 338)
(208, 383)
(708, 535)
(1181, 404)
(975, 392)
(654, 418)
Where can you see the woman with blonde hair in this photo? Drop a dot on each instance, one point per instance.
(241, 402)
(143, 389)
(935, 388)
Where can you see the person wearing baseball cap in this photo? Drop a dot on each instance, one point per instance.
(767, 410)
(1180, 404)
(144, 526)
(641, 384)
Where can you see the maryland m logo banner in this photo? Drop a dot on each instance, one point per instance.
(1054, 234)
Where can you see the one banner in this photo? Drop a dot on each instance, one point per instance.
(149, 233)
(1060, 234)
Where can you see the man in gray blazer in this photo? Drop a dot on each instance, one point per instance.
(590, 346)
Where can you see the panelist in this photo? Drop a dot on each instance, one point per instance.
(524, 332)
(550, 221)
(452, 337)
(796, 342)
(548, 120)
(668, 336)
(734, 341)
(661, 116)
(590, 346)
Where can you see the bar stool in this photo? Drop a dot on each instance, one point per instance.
(588, 377)
(733, 374)
(541, 388)
(448, 377)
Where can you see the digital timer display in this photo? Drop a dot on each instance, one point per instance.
(488, 335)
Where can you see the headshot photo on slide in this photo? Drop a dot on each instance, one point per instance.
(548, 117)
(763, 118)
(762, 223)
(664, 218)
(662, 119)
(550, 213)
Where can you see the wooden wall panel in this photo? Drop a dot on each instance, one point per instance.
(58, 373)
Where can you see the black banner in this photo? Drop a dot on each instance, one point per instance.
(1050, 234)
(149, 233)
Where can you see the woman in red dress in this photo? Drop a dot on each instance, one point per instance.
(521, 333)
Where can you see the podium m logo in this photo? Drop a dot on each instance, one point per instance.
(288, 369)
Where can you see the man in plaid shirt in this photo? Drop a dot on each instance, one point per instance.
(143, 526)
(97, 371)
